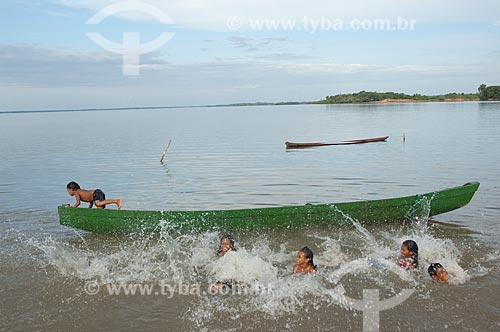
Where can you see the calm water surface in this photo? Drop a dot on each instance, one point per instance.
(225, 158)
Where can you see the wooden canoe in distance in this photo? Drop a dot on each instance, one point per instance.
(294, 145)
(281, 217)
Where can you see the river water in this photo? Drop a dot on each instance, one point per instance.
(58, 279)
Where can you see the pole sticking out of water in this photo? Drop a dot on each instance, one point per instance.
(165, 151)
(404, 137)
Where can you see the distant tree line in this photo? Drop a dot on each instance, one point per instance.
(485, 93)
(489, 92)
(364, 97)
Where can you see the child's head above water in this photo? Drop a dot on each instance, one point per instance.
(438, 273)
(305, 255)
(409, 249)
(226, 244)
(410, 246)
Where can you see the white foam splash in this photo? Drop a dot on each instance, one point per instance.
(258, 261)
(242, 266)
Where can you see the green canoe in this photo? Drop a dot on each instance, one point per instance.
(303, 216)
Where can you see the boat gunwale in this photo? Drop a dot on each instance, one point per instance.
(112, 214)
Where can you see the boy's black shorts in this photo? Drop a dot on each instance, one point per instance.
(99, 195)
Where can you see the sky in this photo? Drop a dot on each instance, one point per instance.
(76, 54)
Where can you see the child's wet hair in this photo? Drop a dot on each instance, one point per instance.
(413, 247)
(73, 185)
(433, 268)
(309, 254)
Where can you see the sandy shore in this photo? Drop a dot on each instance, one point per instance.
(387, 101)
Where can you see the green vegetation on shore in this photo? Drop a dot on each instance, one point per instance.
(371, 97)
(488, 92)
(484, 93)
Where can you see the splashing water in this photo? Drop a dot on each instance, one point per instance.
(349, 261)
(420, 212)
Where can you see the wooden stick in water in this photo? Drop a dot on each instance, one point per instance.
(165, 151)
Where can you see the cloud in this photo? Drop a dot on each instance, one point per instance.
(282, 57)
(213, 15)
(370, 69)
(248, 86)
(55, 68)
(34, 78)
(253, 44)
(28, 66)
(242, 42)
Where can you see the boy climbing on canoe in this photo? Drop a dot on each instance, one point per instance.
(96, 196)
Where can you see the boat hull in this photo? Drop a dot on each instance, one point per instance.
(304, 216)
(294, 145)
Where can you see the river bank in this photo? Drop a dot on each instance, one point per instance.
(397, 101)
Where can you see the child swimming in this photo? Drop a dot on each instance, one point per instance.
(305, 263)
(409, 255)
(438, 273)
(226, 244)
